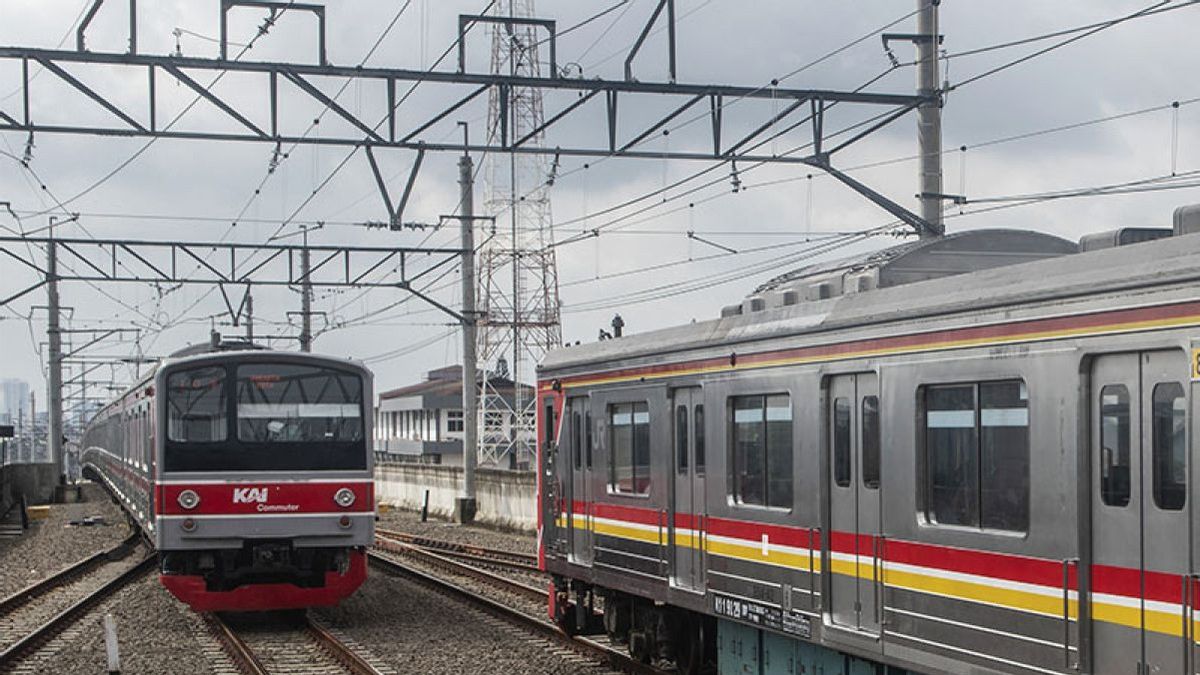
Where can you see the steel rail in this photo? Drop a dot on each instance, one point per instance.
(249, 663)
(491, 555)
(60, 577)
(460, 567)
(614, 658)
(68, 616)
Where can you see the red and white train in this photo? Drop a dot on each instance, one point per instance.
(251, 472)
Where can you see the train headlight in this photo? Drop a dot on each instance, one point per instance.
(188, 499)
(344, 498)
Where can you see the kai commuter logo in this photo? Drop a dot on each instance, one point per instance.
(250, 495)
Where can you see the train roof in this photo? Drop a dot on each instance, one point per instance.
(1150, 263)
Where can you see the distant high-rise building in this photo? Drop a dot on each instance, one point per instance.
(14, 399)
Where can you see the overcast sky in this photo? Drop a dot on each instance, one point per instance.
(1141, 64)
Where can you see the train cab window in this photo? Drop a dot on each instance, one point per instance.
(1114, 445)
(977, 455)
(871, 440)
(841, 442)
(762, 450)
(629, 426)
(698, 421)
(298, 404)
(548, 432)
(196, 406)
(681, 438)
(1169, 451)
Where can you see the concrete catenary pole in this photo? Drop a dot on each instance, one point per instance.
(929, 114)
(249, 316)
(465, 511)
(54, 333)
(305, 298)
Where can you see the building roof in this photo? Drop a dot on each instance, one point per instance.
(446, 381)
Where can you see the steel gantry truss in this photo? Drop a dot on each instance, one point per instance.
(277, 83)
(232, 264)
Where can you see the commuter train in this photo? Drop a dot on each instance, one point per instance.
(251, 472)
(970, 454)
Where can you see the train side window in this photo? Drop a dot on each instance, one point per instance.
(548, 435)
(1004, 456)
(698, 422)
(977, 455)
(681, 439)
(629, 426)
(577, 440)
(841, 442)
(871, 440)
(587, 422)
(1169, 451)
(1114, 445)
(950, 446)
(762, 450)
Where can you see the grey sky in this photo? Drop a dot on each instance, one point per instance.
(1144, 63)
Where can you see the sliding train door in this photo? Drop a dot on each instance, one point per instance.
(851, 547)
(579, 506)
(687, 495)
(1139, 596)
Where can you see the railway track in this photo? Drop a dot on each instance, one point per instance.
(294, 643)
(394, 557)
(35, 615)
(482, 554)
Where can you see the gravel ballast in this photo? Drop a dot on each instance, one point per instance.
(478, 535)
(53, 543)
(417, 630)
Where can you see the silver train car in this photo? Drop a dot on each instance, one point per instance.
(963, 455)
(251, 472)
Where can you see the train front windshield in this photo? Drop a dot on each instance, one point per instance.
(264, 417)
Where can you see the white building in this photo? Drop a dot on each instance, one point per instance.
(424, 422)
(14, 400)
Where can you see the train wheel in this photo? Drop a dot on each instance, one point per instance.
(616, 618)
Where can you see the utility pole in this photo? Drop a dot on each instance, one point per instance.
(305, 298)
(929, 114)
(465, 509)
(54, 395)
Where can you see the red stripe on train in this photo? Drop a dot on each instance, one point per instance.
(265, 498)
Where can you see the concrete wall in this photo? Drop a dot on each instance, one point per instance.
(505, 498)
(35, 481)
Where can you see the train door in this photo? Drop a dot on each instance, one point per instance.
(854, 506)
(1140, 534)
(687, 495)
(579, 505)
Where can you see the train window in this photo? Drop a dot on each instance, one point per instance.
(1114, 445)
(1004, 456)
(298, 404)
(841, 442)
(196, 408)
(548, 432)
(1169, 451)
(698, 422)
(681, 439)
(588, 432)
(577, 440)
(870, 442)
(629, 471)
(977, 455)
(762, 450)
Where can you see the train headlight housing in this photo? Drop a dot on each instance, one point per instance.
(344, 498)
(188, 499)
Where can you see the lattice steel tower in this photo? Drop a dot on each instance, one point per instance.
(518, 277)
